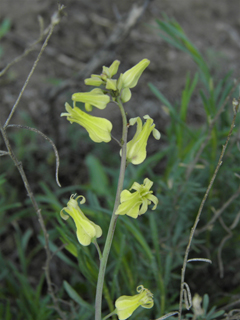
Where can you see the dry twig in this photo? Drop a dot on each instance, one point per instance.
(55, 20)
(182, 287)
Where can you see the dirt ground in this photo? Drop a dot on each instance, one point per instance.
(213, 26)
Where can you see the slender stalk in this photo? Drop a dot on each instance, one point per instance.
(108, 243)
(109, 315)
(98, 249)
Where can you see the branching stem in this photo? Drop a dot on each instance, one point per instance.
(19, 166)
(54, 20)
(199, 214)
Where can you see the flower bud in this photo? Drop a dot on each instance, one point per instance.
(111, 84)
(126, 95)
(113, 69)
(131, 76)
(95, 81)
(96, 98)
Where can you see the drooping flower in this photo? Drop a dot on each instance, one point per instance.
(136, 203)
(130, 77)
(95, 98)
(196, 303)
(87, 231)
(126, 305)
(99, 129)
(136, 148)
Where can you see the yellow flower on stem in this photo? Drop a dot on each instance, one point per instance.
(95, 98)
(111, 84)
(112, 70)
(130, 77)
(99, 129)
(126, 305)
(136, 148)
(87, 231)
(95, 81)
(104, 77)
(136, 203)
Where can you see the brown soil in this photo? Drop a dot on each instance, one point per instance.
(213, 26)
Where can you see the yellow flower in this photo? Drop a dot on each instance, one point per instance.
(136, 148)
(95, 98)
(136, 203)
(126, 305)
(196, 303)
(130, 77)
(86, 229)
(104, 77)
(99, 129)
(111, 84)
(95, 81)
(112, 70)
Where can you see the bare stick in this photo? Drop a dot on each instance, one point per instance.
(200, 211)
(218, 213)
(203, 145)
(45, 137)
(54, 21)
(3, 153)
(28, 50)
(224, 240)
(19, 166)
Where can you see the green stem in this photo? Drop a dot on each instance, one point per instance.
(98, 249)
(109, 315)
(108, 243)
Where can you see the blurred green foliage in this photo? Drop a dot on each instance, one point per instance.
(147, 251)
(4, 28)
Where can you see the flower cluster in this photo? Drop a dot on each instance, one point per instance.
(99, 129)
(121, 86)
(133, 202)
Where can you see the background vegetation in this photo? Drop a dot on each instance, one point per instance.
(147, 251)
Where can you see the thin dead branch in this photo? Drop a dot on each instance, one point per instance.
(46, 138)
(200, 212)
(218, 213)
(54, 21)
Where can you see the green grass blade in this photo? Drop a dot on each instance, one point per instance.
(75, 296)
